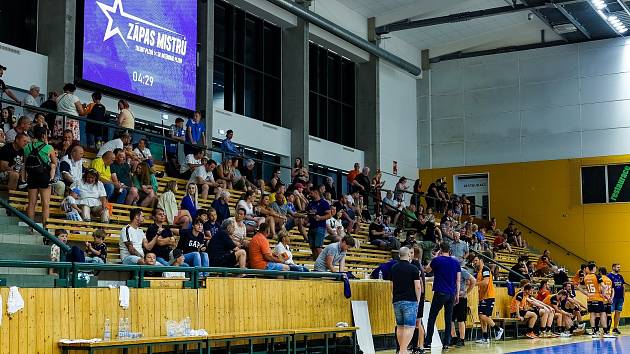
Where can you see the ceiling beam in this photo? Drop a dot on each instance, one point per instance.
(573, 20)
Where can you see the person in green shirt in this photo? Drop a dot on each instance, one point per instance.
(38, 179)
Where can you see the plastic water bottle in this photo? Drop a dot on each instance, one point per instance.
(380, 275)
(187, 326)
(107, 333)
(121, 328)
(127, 328)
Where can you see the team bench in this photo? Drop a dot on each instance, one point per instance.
(204, 344)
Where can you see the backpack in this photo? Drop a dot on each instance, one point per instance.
(34, 164)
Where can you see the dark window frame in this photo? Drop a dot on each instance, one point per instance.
(609, 180)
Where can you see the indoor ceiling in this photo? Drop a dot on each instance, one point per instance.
(535, 22)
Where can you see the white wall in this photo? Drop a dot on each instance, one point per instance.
(331, 154)
(553, 103)
(24, 68)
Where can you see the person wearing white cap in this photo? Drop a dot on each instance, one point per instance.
(29, 100)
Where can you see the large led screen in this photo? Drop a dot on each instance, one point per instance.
(146, 48)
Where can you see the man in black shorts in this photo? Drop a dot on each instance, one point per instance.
(418, 335)
(460, 311)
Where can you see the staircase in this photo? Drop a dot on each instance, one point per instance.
(17, 243)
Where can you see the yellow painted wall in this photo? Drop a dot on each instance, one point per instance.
(546, 196)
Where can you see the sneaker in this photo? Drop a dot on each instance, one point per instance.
(454, 341)
(531, 335)
(446, 347)
(499, 334)
(616, 331)
(483, 341)
(553, 335)
(543, 335)
(417, 351)
(609, 335)
(565, 335)
(460, 343)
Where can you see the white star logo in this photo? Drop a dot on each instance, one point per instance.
(115, 9)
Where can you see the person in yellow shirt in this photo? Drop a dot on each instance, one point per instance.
(116, 192)
(595, 290)
(485, 286)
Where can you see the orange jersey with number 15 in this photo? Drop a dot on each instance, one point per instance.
(592, 283)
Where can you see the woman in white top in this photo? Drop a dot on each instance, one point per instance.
(93, 199)
(174, 215)
(70, 104)
(126, 118)
(247, 203)
(283, 251)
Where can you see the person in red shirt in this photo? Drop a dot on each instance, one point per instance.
(500, 243)
(543, 291)
(260, 255)
(354, 173)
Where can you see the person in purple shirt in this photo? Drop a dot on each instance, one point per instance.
(318, 212)
(446, 279)
(617, 303)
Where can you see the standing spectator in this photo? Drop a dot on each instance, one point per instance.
(297, 166)
(132, 240)
(126, 119)
(485, 285)
(123, 140)
(417, 193)
(260, 255)
(334, 255)
(400, 188)
(29, 100)
(68, 103)
(3, 87)
(178, 132)
(459, 248)
(190, 202)
(204, 178)
(167, 202)
(193, 160)
(12, 161)
(6, 121)
(192, 242)
(329, 186)
(93, 198)
(23, 126)
(96, 111)
(618, 297)
(352, 174)
(318, 212)
(227, 146)
(122, 177)
(362, 183)
(460, 311)
(195, 133)
(165, 239)
(222, 252)
(51, 105)
(39, 166)
(406, 294)
(377, 185)
(145, 182)
(96, 251)
(70, 170)
(221, 206)
(283, 251)
(446, 285)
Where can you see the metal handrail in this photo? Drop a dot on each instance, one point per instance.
(47, 235)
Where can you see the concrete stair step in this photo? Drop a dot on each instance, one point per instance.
(24, 252)
(29, 281)
(8, 220)
(23, 271)
(27, 239)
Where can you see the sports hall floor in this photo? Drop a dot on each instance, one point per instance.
(572, 345)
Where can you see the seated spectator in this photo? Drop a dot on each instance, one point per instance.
(459, 248)
(287, 210)
(519, 268)
(275, 180)
(500, 243)
(221, 206)
(55, 251)
(178, 261)
(348, 218)
(192, 161)
(514, 236)
(192, 243)
(222, 252)
(465, 205)
(40, 121)
(70, 170)
(334, 255)
(247, 203)
(282, 250)
(249, 181)
(2, 137)
(96, 111)
(225, 172)
(301, 176)
(330, 188)
(493, 224)
(480, 236)
(189, 201)
(240, 230)
(334, 228)
(195, 133)
(300, 199)
(146, 184)
(544, 266)
(123, 140)
(274, 219)
(92, 197)
(96, 251)
(211, 227)
(115, 192)
(227, 146)
(280, 190)
(150, 259)
(260, 255)
(133, 242)
(379, 238)
(165, 239)
(204, 178)
(69, 205)
(167, 202)
(12, 161)
(143, 153)
(122, 176)
(23, 126)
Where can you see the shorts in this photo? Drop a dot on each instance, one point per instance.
(596, 307)
(38, 181)
(316, 237)
(290, 224)
(406, 313)
(617, 305)
(421, 307)
(228, 260)
(486, 307)
(274, 266)
(460, 311)
(131, 260)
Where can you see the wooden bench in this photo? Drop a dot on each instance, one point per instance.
(126, 344)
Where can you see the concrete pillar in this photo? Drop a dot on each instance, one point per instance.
(56, 39)
(295, 88)
(367, 112)
(205, 68)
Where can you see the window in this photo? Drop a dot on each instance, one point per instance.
(18, 24)
(318, 174)
(605, 184)
(246, 64)
(331, 98)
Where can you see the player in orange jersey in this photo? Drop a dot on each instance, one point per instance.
(610, 293)
(596, 293)
(521, 309)
(564, 319)
(485, 285)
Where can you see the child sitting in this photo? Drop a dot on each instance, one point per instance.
(69, 205)
(96, 252)
(177, 261)
(55, 251)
